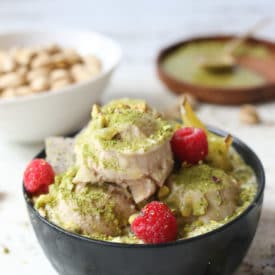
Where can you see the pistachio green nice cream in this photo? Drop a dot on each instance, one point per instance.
(204, 197)
(184, 64)
(126, 143)
(127, 126)
(90, 210)
(123, 161)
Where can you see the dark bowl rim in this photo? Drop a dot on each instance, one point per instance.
(260, 184)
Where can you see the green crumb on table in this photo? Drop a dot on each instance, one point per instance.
(6, 250)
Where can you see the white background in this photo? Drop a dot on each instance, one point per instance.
(142, 27)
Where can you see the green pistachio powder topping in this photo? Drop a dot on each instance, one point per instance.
(92, 200)
(95, 200)
(112, 125)
(109, 121)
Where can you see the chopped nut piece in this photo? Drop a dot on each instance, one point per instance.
(191, 99)
(132, 218)
(174, 111)
(163, 192)
(95, 110)
(187, 208)
(249, 115)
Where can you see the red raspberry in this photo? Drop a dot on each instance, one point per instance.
(189, 145)
(155, 224)
(38, 176)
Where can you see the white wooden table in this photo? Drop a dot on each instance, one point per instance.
(142, 27)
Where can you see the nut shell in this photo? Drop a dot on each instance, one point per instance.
(249, 115)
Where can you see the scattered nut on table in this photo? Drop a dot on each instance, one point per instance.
(24, 71)
(249, 115)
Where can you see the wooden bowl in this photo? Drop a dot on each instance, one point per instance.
(228, 96)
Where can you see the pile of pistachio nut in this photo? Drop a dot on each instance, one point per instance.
(25, 71)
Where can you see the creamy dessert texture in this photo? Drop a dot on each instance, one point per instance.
(126, 158)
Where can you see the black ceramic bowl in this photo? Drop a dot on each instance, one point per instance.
(218, 252)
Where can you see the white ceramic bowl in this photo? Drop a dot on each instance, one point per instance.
(32, 118)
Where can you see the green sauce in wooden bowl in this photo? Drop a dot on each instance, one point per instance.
(183, 65)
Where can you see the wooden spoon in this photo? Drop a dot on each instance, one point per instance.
(225, 60)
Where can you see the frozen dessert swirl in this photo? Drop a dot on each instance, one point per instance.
(126, 143)
(190, 180)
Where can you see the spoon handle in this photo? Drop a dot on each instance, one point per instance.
(232, 45)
